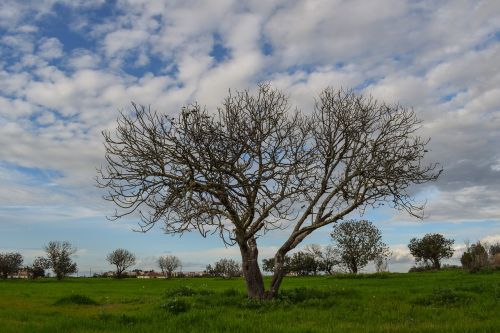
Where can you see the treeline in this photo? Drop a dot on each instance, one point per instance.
(58, 258)
(432, 248)
(354, 245)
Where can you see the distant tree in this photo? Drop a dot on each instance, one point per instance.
(303, 263)
(10, 263)
(38, 267)
(168, 264)
(327, 257)
(475, 257)
(255, 164)
(122, 259)
(494, 249)
(358, 243)
(381, 263)
(431, 248)
(226, 268)
(268, 264)
(59, 258)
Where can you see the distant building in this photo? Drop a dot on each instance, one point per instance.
(22, 274)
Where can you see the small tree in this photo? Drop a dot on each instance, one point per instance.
(358, 243)
(38, 267)
(494, 252)
(475, 257)
(327, 258)
(431, 248)
(168, 264)
(381, 264)
(494, 249)
(59, 258)
(303, 263)
(268, 264)
(122, 259)
(226, 268)
(10, 263)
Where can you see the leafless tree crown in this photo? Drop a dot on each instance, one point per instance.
(122, 259)
(257, 165)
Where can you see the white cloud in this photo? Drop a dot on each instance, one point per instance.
(50, 48)
(439, 57)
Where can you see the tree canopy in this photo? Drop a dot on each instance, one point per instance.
(431, 248)
(255, 165)
(10, 263)
(59, 258)
(358, 242)
(122, 259)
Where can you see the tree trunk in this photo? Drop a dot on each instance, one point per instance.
(279, 273)
(353, 267)
(251, 269)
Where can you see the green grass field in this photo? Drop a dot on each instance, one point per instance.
(446, 301)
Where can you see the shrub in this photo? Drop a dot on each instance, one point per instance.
(420, 268)
(75, 299)
(495, 260)
(176, 305)
(181, 291)
(297, 295)
(230, 292)
(125, 319)
(381, 275)
(475, 258)
(443, 297)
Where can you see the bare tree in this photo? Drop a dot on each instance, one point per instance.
(122, 259)
(358, 243)
(226, 268)
(168, 264)
(327, 257)
(256, 166)
(59, 258)
(10, 263)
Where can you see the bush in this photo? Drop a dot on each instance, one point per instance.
(181, 291)
(176, 305)
(451, 267)
(297, 295)
(421, 268)
(495, 261)
(443, 297)
(230, 292)
(475, 258)
(381, 275)
(75, 299)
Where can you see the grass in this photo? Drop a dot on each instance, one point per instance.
(445, 301)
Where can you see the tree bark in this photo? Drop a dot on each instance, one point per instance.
(279, 273)
(251, 269)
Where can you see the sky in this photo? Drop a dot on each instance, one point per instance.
(67, 67)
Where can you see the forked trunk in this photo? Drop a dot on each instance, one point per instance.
(279, 273)
(251, 269)
(253, 276)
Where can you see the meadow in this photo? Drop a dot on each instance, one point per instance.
(444, 301)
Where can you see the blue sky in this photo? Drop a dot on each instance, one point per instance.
(67, 67)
